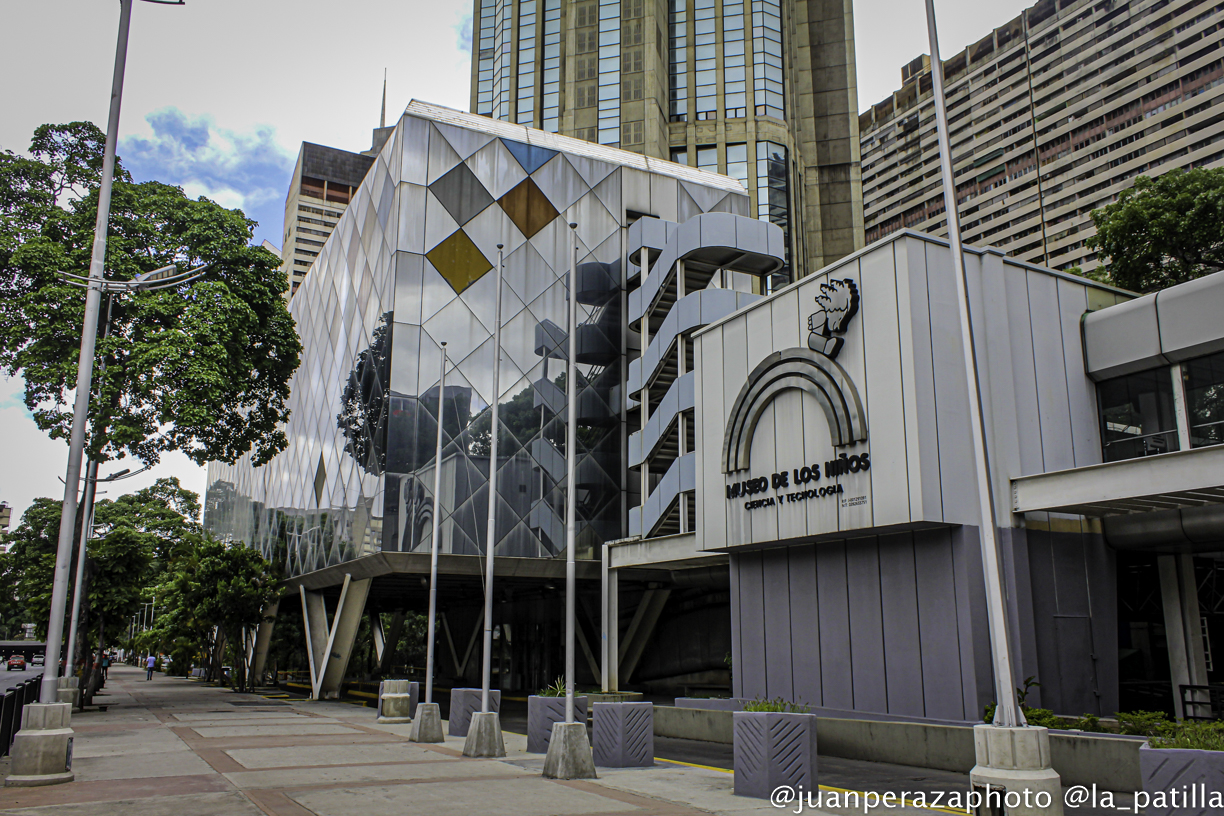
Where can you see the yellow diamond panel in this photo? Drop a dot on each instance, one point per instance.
(459, 261)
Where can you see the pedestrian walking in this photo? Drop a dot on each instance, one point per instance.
(149, 666)
(106, 661)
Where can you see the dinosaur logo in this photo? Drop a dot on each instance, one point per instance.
(836, 305)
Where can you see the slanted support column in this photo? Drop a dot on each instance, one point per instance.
(330, 647)
(1183, 625)
(263, 639)
(387, 656)
(641, 629)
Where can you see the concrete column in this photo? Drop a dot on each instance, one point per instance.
(263, 639)
(1180, 410)
(329, 663)
(610, 625)
(1183, 625)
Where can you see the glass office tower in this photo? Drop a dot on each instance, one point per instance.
(761, 90)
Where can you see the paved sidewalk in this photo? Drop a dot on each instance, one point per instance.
(178, 747)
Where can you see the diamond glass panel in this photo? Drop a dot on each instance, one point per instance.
(528, 208)
(459, 261)
(461, 193)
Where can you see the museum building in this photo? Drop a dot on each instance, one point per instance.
(784, 479)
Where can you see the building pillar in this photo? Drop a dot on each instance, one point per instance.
(1183, 626)
(263, 639)
(329, 647)
(610, 656)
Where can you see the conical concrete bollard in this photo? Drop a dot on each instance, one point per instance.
(484, 736)
(569, 753)
(427, 727)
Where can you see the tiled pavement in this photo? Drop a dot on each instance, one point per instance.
(174, 747)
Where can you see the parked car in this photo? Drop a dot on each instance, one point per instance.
(38, 660)
(16, 662)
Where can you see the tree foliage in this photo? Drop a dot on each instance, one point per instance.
(1164, 230)
(202, 368)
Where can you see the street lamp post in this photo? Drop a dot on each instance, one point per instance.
(427, 724)
(484, 737)
(1009, 754)
(569, 751)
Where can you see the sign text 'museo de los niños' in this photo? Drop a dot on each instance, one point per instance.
(798, 477)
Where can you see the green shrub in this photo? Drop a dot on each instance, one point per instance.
(557, 689)
(1090, 723)
(776, 704)
(1141, 723)
(1034, 716)
(1203, 736)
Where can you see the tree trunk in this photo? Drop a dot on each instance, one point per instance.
(93, 673)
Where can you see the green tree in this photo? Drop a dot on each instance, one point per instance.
(117, 568)
(203, 368)
(214, 597)
(166, 511)
(1164, 230)
(31, 559)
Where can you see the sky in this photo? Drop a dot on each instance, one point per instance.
(219, 95)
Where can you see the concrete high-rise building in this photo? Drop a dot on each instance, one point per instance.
(761, 90)
(1087, 93)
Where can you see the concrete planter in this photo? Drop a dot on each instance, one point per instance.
(774, 748)
(397, 700)
(614, 697)
(542, 712)
(713, 703)
(624, 735)
(1195, 776)
(465, 702)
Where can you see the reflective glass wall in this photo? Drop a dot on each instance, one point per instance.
(412, 264)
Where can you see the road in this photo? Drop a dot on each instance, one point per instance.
(8, 679)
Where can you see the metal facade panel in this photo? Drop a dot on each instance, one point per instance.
(1102, 568)
(1123, 339)
(1190, 318)
(770, 434)
(1052, 403)
(952, 401)
(937, 626)
(832, 590)
(733, 372)
(411, 233)
(1081, 394)
(779, 681)
(917, 373)
(749, 663)
(709, 386)
(883, 387)
(994, 360)
(804, 626)
(977, 677)
(737, 680)
(1045, 609)
(1023, 371)
(866, 625)
(899, 614)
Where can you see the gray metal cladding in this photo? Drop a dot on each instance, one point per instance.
(1166, 327)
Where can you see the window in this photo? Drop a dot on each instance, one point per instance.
(586, 95)
(737, 163)
(631, 88)
(1204, 379)
(633, 133)
(707, 158)
(1137, 417)
(679, 155)
(631, 61)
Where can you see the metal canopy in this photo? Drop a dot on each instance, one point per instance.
(1191, 478)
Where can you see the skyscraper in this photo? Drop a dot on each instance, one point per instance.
(761, 90)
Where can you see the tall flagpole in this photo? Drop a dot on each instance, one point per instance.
(437, 531)
(571, 473)
(490, 537)
(1007, 712)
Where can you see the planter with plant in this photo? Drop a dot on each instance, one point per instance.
(774, 744)
(546, 708)
(1182, 763)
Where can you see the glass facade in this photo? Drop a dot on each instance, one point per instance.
(1137, 415)
(551, 78)
(610, 67)
(705, 53)
(734, 81)
(527, 32)
(767, 58)
(1204, 383)
(412, 264)
(677, 29)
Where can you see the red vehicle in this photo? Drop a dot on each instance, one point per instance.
(16, 662)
